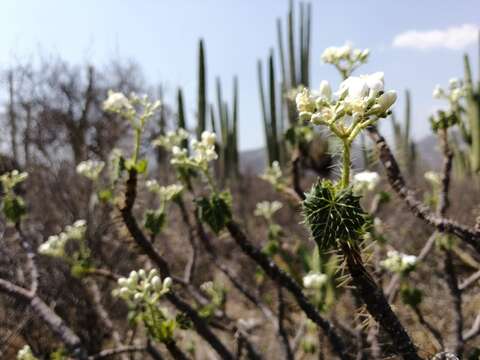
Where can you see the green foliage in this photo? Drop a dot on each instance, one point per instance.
(217, 295)
(13, 208)
(474, 354)
(183, 321)
(59, 354)
(139, 166)
(105, 195)
(332, 214)
(215, 210)
(158, 326)
(154, 221)
(411, 296)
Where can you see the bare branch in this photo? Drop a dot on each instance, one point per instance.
(470, 235)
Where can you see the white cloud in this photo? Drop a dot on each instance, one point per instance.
(453, 38)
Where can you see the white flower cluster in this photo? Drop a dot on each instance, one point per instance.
(116, 102)
(314, 280)
(171, 139)
(434, 178)
(165, 193)
(453, 94)
(398, 263)
(124, 106)
(345, 57)
(267, 209)
(55, 244)
(273, 175)
(333, 55)
(203, 153)
(91, 169)
(365, 181)
(205, 149)
(25, 353)
(142, 288)
(360, 98)
(12, 178)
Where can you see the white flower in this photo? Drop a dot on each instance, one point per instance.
(329, 55)
(25, 353)
(453, 94)
(204, 150)
(116, 102)
(386, 100)
(267, 208)
(314, 280)
(433, 177)
(273, 175)
(54, 246)
(305, 102)
(398, 262)
(345, 54)
(438, 92)
(365, 181)
(359, 102)
(454, 83)
(12, 178)
(325, 90)
(91, 169)
(209, 138)
(142, 287)
(152, 186)
(171, 139)
(375, 81)
(170, 192)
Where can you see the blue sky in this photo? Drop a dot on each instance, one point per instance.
(162, 37)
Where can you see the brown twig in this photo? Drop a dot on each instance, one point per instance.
(471, 280)
(117, 351)
(435, 333)
(138, 236)
(287, 349)
(470, 235)
(296, 174)
(451, 274)
(286, 281)
(377, 304)
(56, 324)
(190, 267)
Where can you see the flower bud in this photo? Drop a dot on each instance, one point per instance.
(387, 100)
(157, 283)
(167, 283)
(325, 90)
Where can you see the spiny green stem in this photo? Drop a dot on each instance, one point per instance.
(138, 135)
(345, 165)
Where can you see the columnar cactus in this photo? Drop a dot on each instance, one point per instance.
(472, 135)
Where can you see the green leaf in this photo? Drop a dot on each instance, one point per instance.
(215, 211)
(142, 166)
(154, 221)
(411, 296)
(117, 167)
(333, 214)
(105, 195)
(13, 208)
(183, 321)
